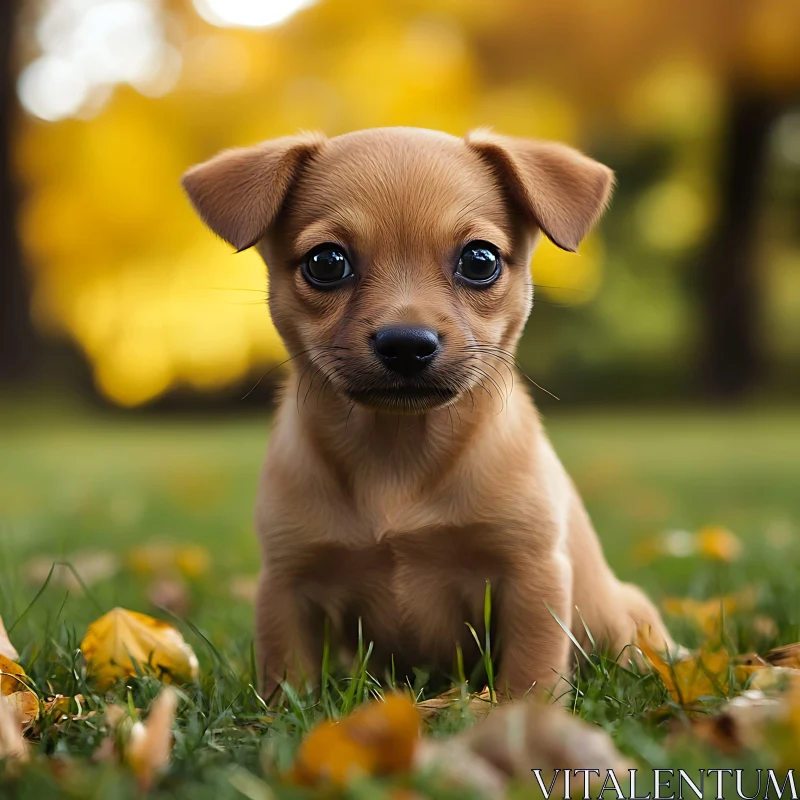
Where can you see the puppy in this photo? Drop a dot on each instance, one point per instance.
(408, 465)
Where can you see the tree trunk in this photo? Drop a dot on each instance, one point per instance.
(729, 286)
(18, 341)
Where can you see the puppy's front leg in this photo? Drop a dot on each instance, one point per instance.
(534, 647)
(285, 640)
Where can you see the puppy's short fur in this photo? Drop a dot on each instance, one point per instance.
(393, 499)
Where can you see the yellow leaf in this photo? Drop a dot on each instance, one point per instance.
(6, 648)
(699, 675)
(191, 561)
(150, 744)
(718, 543)
(11, 675)
(378, 738)
(122, 638)
(709, 614)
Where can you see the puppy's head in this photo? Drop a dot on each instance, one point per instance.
(398, 257)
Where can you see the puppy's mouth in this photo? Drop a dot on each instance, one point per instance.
(403, 399)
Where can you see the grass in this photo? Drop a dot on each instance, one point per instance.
(71, 481)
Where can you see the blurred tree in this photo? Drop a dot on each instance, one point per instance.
(18, 342)
(134, 91)
(599, 52)
(729, 286)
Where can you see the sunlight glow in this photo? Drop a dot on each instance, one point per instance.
(249, 13)
(88, 45)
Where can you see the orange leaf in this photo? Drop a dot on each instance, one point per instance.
(703, 674)
(11, 675)
(121, 639)
(378, 738)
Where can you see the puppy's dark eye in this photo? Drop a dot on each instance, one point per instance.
(479, 263)
(327, 264)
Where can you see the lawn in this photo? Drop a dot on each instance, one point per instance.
(72, 481)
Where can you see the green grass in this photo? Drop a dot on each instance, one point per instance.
(70, 481)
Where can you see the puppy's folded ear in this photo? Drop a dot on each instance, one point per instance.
(239, 192)
(561, 190)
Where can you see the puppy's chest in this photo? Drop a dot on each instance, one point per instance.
(417, 587)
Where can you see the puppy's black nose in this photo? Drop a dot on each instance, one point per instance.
(406, 349)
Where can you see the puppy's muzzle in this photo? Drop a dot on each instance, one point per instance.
(406, 350)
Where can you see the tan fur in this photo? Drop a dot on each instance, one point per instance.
(398, 515)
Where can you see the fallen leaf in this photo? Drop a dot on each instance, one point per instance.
(479, 703)
(786, 656)
(25, 704)
(6, 648)
(378, 738)
(718, 543)
(93, 566)
(11, 677)
(171, 594)
(740, 722)
(709, 615)
(12, 745)
(190, 561)
(120, 640)
(690, 678)
(150, 745)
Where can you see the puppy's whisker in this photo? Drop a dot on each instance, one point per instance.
(505, 355)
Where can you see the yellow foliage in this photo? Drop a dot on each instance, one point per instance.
(122, 267)
(691, 678)
(710, 614)
(378, 738)
(121, 641)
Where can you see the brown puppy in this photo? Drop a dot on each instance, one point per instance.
(407, 466)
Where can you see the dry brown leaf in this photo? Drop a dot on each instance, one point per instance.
(150, 745)
(739, 723)
(378, 738)
(479, 703)
(786, 656)
(6, 648)
(12, 745)
(120, 640)
(93, 566)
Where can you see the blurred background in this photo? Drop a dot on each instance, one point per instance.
(136, 350)
(112, 288)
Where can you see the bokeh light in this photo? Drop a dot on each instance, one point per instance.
(249, 13)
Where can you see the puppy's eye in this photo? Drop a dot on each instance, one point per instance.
(479, 264)
(327, 264)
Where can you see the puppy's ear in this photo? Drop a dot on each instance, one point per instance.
(239, 192)
(563, 191)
